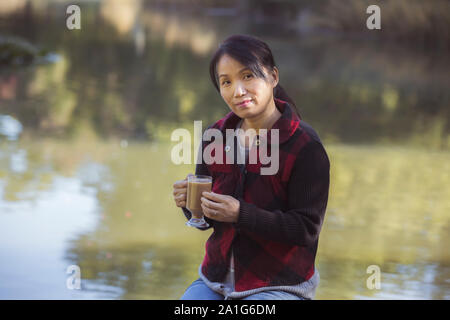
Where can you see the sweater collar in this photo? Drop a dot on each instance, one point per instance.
(286, 124)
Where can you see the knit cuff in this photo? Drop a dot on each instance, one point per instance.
(246, 215)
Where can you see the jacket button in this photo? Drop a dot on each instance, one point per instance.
(257, 142)
(227, 148)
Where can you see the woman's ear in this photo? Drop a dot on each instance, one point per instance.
(275, 77)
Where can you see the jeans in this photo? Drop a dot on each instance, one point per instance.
(198, 290)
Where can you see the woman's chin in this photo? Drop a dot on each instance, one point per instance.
(242, 112)
(242, 115)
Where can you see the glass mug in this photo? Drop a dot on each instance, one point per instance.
(196, 185)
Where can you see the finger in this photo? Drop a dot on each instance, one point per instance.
(181, 197)
(180, 184)
(181, 204)
(210, 213)
(179, 191)
(211, 204)
(214, 196)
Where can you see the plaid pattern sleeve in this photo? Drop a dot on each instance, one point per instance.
(307, 199)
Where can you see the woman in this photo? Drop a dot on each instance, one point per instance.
(266, 227)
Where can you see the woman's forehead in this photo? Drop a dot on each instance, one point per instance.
(228, 65)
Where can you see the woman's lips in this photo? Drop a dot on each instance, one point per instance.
(245, 103)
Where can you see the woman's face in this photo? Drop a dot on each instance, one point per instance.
(238, 83)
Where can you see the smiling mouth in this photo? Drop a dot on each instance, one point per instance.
(244, 103)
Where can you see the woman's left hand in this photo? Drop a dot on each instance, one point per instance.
(220, 207)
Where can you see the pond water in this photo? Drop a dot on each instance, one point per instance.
(86, 174)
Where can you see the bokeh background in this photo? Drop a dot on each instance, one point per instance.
(86, 117)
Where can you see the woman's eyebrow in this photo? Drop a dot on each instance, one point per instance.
(243, 69)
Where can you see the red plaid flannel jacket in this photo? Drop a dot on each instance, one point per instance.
(276, 237)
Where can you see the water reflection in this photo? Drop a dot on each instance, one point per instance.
(34, 234)
(141, 271)
(148, 73)
(10, 127)
(86, 176)
(114, 218)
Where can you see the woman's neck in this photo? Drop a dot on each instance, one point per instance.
(263, 121)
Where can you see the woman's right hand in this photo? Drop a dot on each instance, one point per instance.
(180, 192)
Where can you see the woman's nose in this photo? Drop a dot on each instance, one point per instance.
(240, 90)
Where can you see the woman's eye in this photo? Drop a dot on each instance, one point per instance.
(247, 76)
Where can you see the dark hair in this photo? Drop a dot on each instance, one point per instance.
(252, 53)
